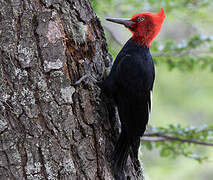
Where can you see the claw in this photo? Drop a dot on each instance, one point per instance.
(85, 77)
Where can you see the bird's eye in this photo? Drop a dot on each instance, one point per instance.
(141, 18)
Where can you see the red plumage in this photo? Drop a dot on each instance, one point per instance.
(145, 30)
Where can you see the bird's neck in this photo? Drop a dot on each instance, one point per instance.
(133, 48)
(140, 44)
(144, 39)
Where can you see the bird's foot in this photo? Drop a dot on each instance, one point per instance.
(89, 76)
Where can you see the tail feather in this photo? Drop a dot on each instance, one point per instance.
(134, 155)
(121, 153)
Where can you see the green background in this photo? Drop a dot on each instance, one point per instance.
(183, 90)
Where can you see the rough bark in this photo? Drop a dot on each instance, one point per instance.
(50, 129)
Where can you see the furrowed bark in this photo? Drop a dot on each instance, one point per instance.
(50, 129)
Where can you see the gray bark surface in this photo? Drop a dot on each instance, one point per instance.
(50, 129)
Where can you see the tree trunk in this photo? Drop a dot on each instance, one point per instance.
(49, 128)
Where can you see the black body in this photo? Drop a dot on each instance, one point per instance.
(130, 84)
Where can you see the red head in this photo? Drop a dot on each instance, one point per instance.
(144, 26)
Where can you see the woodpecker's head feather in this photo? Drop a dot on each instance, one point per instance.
(144, 26)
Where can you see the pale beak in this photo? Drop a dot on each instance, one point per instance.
(125, 22)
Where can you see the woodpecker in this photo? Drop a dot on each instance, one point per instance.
(130, 82)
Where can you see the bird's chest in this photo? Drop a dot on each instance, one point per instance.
(142, 70)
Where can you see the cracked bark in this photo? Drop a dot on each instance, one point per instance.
(50, 129)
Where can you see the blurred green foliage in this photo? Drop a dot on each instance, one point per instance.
(194, 53)
(185, 98)
(177, 140)
(184, 57)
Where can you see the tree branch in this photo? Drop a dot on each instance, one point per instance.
(181, 53)
(154, 137)
(112, 35)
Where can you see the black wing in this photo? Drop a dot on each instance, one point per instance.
(134, 79)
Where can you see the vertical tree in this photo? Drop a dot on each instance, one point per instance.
(50, 128)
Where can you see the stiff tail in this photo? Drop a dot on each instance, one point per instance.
(134, 156)
(120, 155)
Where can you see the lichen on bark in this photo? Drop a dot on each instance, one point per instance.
(50, 129)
